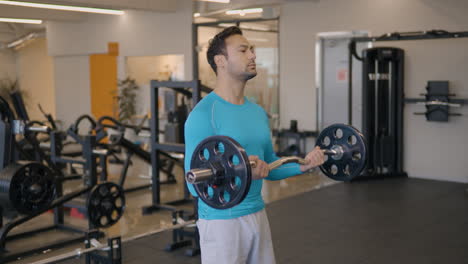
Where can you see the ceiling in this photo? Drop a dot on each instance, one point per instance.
(209, 10)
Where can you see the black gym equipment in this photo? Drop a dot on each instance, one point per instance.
(383, 99)
(118, 139)
(383, 110)
(186, 236)
(348, 154)
(106, 203)
(27, 187)
(221, 173)
(438, 102)
(193, 88)
(30, 188)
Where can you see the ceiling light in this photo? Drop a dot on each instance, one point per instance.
(251, 27)
(24, 21)
(226, 24)
(242, 12)
(196, 15)
(64, 8)
(216, 1)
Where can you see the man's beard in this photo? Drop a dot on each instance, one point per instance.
(249, 75)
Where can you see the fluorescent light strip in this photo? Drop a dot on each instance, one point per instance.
(64, 8)
(260, 28)
(242, 12)
(216, 1)
(17, 20)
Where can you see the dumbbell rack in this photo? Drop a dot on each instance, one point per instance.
(157, 147)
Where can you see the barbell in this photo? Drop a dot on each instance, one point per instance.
(221, 172)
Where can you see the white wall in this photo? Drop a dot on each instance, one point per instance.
(146, 68)
(7, 65)
(139, 33)
(36, 78)
(72, 93)
(432, 150)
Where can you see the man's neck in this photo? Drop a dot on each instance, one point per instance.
(231, 90)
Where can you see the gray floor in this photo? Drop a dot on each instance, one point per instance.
(382, 221)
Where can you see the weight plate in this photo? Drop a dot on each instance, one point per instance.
(353, 159)
(28, 187)
(106, 204)
(232, 183)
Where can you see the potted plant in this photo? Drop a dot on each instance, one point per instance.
(126, 100)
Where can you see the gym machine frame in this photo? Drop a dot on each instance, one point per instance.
(157, 147)
(384, 134)
(56, 206)
(134, 149)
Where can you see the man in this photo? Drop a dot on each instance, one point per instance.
(240, 234)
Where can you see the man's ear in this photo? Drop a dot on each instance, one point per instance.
(220, 61)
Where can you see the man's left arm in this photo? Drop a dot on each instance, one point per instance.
(283, 171)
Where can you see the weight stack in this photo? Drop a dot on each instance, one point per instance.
(383, 94)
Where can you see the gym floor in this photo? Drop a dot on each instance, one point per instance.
(383, 221)
(134, 223)
(315, 220)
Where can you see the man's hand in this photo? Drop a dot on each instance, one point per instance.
(261, 169)
(315, 158)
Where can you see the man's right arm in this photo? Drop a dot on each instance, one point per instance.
(197, 127)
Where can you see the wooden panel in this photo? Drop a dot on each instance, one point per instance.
(103, 77)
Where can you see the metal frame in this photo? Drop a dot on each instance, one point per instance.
(5, 229)
(79, 252)
(133, 149)
(57, 207)
(417, 35)
(383, 86)
(401, 36)
(157, 147)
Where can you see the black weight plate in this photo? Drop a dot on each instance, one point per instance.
(354, 146)
(29, 187)
(106, 204)
(237, 176)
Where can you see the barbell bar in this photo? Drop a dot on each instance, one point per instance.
(221, 171)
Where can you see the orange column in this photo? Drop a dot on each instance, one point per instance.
(103, 78)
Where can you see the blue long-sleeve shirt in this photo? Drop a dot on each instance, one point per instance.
(247, 124)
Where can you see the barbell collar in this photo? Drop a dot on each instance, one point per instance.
(199, 175)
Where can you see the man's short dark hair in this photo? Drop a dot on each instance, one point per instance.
(217, 45)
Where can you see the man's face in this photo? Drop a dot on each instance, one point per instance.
(240, 61)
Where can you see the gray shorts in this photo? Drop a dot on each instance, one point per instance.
(242, 240)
